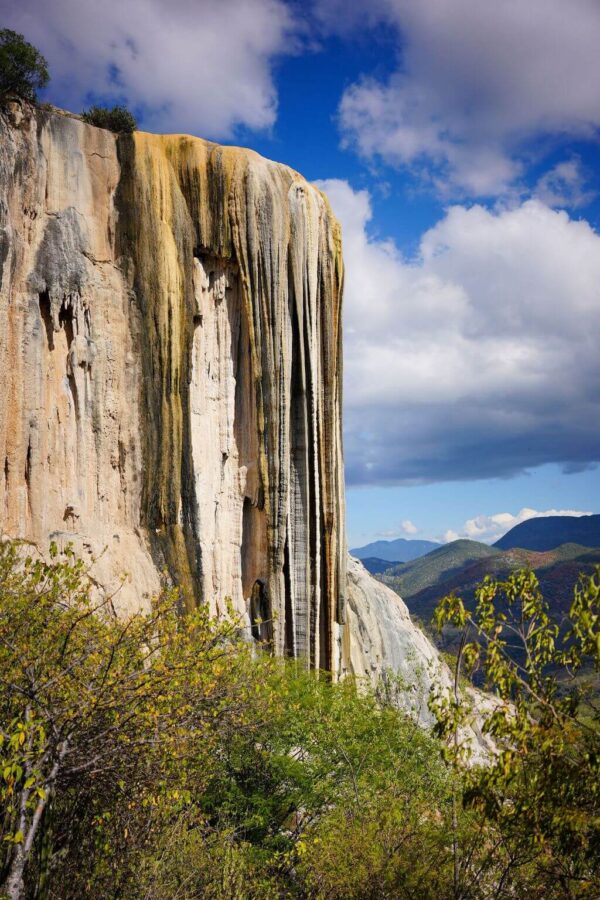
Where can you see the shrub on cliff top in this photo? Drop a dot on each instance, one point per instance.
(117, 119)
(23, 69)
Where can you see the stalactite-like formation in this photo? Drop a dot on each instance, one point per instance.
(170, 350)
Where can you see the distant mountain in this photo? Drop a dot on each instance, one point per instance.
(423, 582)
(436, 566)
(400, 550)
(557, 571)
(376, 566)
(549, 532)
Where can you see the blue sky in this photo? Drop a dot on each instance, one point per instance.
(458, 143)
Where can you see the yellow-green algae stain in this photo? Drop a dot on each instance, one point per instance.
(181, 197)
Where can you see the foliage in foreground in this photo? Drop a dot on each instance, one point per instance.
(542, 790)
(23, 69)
(164, 756)
(117, 118)
(94, 710)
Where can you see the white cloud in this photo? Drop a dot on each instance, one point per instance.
(565, 185)
(203, 66)
(405, 527)
(479, 357)
(474, 83)
(490, 528)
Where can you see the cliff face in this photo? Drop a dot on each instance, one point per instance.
(382, 640)
(170, 371)
(170, 387)
(383, 647)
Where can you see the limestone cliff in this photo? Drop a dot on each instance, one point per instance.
(385, 648)
(170, 367)
(170, 386)
(383, 640)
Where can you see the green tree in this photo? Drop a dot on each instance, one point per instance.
(118, 710)
(23, 69)
(116, 118)
(334, 795)
(542, 789)
(163, 755)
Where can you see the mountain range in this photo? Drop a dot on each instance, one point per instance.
(541, 533)
(549, 546)
(548, 532)
(377, 566)
(438, 565)
(463, 564)
(400, 550)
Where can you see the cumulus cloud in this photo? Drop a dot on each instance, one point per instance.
(474, 83)
(476, 359)
(491, 528)
(189, 65)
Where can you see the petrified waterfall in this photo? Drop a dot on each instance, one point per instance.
(170, 366)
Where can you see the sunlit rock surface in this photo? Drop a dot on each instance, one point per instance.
(387, 650)
(170, 386)
(383, 640)
(170, 365)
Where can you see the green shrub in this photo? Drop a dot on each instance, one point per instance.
(117, 119)
(101, 719)
(23, 69)
(162, 756)
(541, 791)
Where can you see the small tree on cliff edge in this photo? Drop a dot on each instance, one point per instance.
(23, 69)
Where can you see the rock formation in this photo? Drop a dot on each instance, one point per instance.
(383, 640)
(385, 648)
(170, 385)
(170, 365)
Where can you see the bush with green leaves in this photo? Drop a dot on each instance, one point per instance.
(333, 797)
(165, 755)
(100, 716)
(161, 755)
(542, 789)
(23, 69)
(116, 118)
